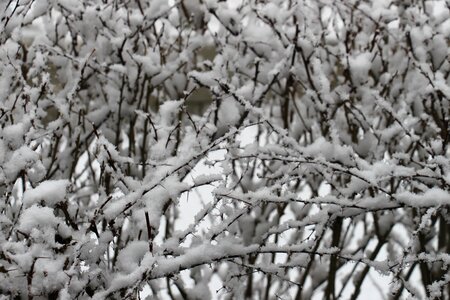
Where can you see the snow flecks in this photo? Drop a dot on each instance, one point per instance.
(360, 66)
(130, 257)
(329, 151)
(319, 136)
(21, 159)
(206, 179)
(37, 217)
(433, 197)
(168, 111)
(51, 192)
(205, 78)
(229, 114)
(119, 204)
(155, 267)
(14, 135)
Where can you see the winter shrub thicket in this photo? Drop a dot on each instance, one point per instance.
(248, 149)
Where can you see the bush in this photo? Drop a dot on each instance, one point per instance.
(242, 149)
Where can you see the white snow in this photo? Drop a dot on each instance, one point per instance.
(51, 192)
(36, 217)
(360, 66)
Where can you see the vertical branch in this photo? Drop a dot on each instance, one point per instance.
(330, 290)
(149, 233)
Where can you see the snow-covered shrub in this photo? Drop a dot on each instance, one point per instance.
(309, 138)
